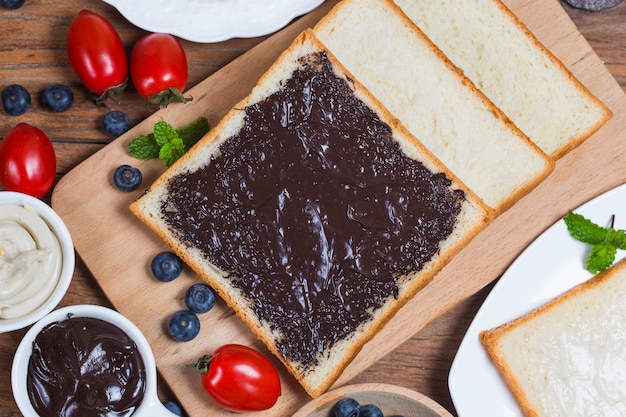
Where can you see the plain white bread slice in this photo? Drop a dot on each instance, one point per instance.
(567, 358)
(472, 217)
(410, 76)
(507, 62)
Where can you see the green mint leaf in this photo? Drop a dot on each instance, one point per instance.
(164, 132)
(172, 146)
(168, 143)
(144, 147)
(193, 132)
(584, 229)
(171, 151)
(605, 240)
(617, 238)
(601, 257)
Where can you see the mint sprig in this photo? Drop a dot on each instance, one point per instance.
(168, 143)
(605, 241)
(171, 145)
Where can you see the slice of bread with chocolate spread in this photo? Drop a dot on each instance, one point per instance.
(312, 212)
(419, 85)
(519, 74)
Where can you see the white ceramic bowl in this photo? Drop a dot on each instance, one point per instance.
(57, 225)
(391, 399)
(150, 405)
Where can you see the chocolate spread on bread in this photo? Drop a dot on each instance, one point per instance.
(85, 367)
(314, 210)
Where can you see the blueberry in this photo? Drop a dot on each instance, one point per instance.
(166, 266)
(347, 407)
(15, 99)
(58, 97)
(184, 325)
(12, 4)
(199, 298)
(370, 410)
(127, 178)
(116, 122)
(174, 407)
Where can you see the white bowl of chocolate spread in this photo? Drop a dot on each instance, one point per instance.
(37, 260)
(85, 361)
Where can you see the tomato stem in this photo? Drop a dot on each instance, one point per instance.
(167, 96)
(202, 365)
(111, 93)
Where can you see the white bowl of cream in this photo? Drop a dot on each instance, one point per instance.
(37, 260)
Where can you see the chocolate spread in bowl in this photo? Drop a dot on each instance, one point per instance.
(313, 210)
(85, 367)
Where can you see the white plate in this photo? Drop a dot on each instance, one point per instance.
(212, 20)
(552, 264)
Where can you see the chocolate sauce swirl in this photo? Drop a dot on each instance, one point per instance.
(85, 367)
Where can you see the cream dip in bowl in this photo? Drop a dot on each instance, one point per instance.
(37, 260)
(87, 361)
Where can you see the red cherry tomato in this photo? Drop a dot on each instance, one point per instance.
(240, 379)
(27, 161)
(96, 53)
(158, 68)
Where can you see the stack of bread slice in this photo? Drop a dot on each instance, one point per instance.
(439, 117)
(567, 358)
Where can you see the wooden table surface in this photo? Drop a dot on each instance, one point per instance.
(32, 53)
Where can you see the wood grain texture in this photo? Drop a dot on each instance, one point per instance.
(32, 53)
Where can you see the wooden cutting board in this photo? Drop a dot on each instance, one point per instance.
(118, 249)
